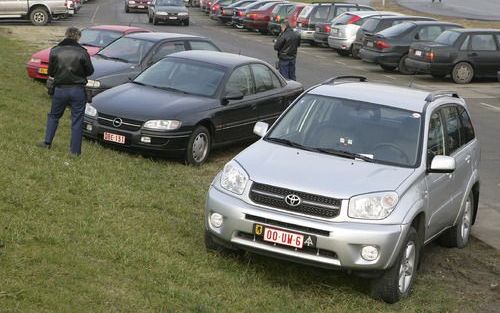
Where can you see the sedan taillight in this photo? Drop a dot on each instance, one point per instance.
(430, 56)
(328, 29)
(381, 44)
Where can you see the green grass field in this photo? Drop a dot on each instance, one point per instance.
(117, 232)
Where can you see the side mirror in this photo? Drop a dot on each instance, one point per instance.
(442, 164)
(232, 95)
(260, 129)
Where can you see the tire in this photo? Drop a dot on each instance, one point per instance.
(387, 68)
(355, 53)
(344, 53)
(462, 73)
(186, 23)
(387, 287)
(155, 21)
(198, 148)
(39, 17)
(403, 69)
(458, 236)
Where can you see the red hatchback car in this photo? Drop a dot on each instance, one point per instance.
(259, 19)
(93, 39)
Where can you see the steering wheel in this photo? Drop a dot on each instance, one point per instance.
(394, 147)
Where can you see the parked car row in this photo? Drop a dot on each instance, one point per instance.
(409, 44)
(39, 12)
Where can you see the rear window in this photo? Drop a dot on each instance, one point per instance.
(267, 6)
(448, 38)
(370, 24)
(397, 29)
(321, 13)
(305, 11)
(343, 19)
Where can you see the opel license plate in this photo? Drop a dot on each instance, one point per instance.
(43, 70)
(172, 17)
(284, 237)
(140, 7)
(418, 53)
(114, 138)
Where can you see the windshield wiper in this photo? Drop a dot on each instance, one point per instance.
(138, 83)
(90, 45)
(171, 89)
(345, 154)
(289, 143)
(107, 57)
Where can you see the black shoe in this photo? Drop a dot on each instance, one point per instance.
(43, 144)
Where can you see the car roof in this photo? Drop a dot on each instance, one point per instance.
(477, 30)
(224, 59)
(383, 94)
(118, 28)
(424, 23)
(161, 36)
(372, 13)
(403, 17)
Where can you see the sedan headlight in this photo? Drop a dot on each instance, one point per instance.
(161, 13)
(90, 110)
(93, 83)
(234, 178)
(374, 206)
(183, 13)
(162, 124)
(35, 60)
(131, 2)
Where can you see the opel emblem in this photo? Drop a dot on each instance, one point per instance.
(293, 200)
(117, 122)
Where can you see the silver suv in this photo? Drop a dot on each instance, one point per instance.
(353, 175)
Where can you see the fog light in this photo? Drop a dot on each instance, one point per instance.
(146, 139)
(369, 253)
(216, 220)
(89, 127)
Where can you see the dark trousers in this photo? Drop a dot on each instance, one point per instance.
(287, 68)
(75, 98)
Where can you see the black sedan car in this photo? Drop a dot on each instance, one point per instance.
(188, 103)
(461, 53)
(129, 55)
(389, 48)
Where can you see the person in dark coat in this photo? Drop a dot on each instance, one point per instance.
(69, 67)
(286, 44)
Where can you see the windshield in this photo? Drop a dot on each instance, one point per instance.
(345, 127)
(98, 37)
(448, 37)
(305, 11)
(130, 50)
(397, 29)
(182, 76)
(170, 3)
(320, 14)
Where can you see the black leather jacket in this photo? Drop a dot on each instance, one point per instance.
(286, 44)
(69, 64)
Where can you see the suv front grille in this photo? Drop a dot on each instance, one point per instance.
(311, 204)
(126, 123)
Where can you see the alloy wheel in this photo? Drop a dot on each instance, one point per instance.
(466, 221)
(407, 267)
(200, 147)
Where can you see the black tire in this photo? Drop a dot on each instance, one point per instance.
(403, 69)
(462, 73)
(155, 21)
(355, 53)
(39, 17)
(387, 286)
(199, 145)
(343, 53)
(458, 236)
(388, 68)
(186, 23)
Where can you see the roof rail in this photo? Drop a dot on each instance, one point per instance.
(439, 94)
(333, 79)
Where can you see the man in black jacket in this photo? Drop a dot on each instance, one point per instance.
(286, 44)
(69, 66)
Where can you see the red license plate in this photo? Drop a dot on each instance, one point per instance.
(114, 138)
(283, 237)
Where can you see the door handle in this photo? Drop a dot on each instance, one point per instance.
(473, 54)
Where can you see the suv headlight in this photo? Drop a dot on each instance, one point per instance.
(90, 110)
(162, 124)
(373, 206)
(93, 83)
(234, 178)
(183, 13)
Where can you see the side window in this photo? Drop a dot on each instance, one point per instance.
(435, 141)
(240, 80)
(465, 44)
(265, 79)
(168, 48)
(484, 42)
(466, 131)
(453, 127)
(428, 33)
(202, 45)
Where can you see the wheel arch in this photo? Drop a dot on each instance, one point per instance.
(209, 125)
(40, 6)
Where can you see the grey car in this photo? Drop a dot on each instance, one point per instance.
(353, 175)
(168, 11)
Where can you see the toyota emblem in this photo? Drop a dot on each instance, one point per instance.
(117, 122)
(293, 200)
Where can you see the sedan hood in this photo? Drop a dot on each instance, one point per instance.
(104, 68)
(171, 9)
(145, 103)
(318, 173)
(43, 55)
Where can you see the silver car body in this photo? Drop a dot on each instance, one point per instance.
(22, 8)
(439, 197)
(342, 36)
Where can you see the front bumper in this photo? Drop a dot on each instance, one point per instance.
(340, 43)
(138, 7)
(427, 67)
(173, 143)
(383, 58)
(254, 24)
(36, 70)
(321, 38)
(338, 243)
(171, 18)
